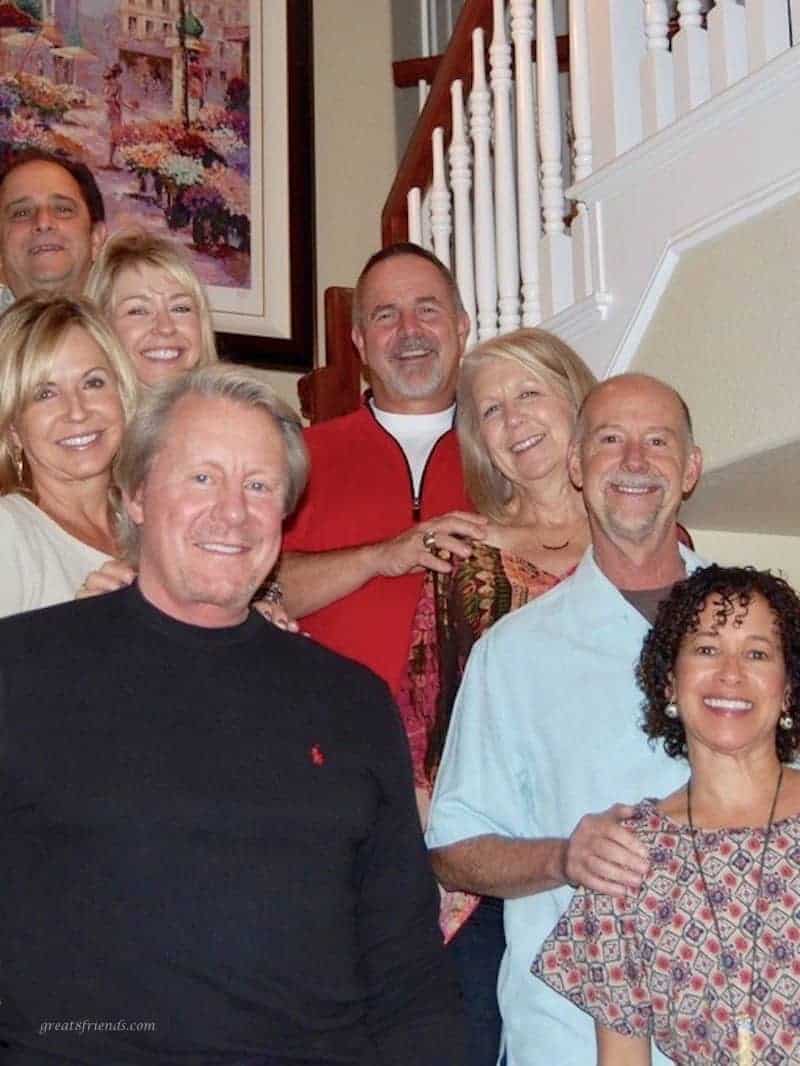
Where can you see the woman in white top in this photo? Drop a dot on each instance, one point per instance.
(67, 391)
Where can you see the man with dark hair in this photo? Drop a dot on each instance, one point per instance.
(386, 493)
(546, 726)
(209, 846)
(52, 223)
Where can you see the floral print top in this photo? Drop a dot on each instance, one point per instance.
(454, 610)
(654, 965)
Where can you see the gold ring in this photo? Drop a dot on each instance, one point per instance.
(429, 541)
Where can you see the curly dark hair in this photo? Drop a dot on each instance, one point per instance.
(679, 615)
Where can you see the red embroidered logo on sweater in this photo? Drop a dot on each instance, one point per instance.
(317, 756)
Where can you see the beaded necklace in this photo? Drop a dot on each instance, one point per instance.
(745, 1030)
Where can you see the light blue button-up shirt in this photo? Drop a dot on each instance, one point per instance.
(547, 728)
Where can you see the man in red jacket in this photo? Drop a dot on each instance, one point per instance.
(386, 493)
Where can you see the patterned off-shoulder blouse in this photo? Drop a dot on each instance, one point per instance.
(653, 965)
(454, 610)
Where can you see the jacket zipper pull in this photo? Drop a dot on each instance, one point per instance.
(416, 509)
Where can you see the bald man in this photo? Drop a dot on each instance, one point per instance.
(546, 726)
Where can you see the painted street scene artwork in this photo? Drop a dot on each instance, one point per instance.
(154, 96)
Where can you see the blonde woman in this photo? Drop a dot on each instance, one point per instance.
(518, 396)
(67, 391)
(156, 304)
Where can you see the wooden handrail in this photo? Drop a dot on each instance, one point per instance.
(333, 389)
(409, 72)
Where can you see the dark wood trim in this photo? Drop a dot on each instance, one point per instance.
(334, 389)
(297, 353)
(408, 72)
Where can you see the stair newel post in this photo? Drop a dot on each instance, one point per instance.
(504, 183)
(481, 131)
(527, 162)
(767, 31)
(690, 53)
(658, 81)
(441, 227)
(617, 46)
(461, 184)
(414, 204)
(580, 96)
(727, 44)
(555, 247)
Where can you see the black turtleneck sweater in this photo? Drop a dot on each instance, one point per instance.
(209, 851)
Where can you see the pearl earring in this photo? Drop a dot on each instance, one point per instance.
(671, 710)
(786, 721)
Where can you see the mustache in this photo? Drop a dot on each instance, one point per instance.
(414, 343)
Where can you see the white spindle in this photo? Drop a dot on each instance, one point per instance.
(424, 27)
(461, 183)
(414, 204)
(727, 44)
(556, 260)
(449, 21)
(481, 131)
(658, 82)
(434, 23)
(441, 227)
(794, 11)
(527, 164)
(427, 232)
(580, 88)
(690, 52)
(505, 201)
(767, 30)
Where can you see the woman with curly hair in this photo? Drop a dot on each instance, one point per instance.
(705, 960)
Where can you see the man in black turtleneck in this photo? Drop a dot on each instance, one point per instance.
(209, 848)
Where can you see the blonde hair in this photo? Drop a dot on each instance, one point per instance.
(30, 331)
(547, 358)
(134, 248)
(239, 384)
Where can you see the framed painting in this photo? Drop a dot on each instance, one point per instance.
(196, 118)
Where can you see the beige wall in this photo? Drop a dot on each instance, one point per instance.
(726, 334)
(355, 143)
(748, 549)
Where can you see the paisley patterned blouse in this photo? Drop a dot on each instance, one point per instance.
(653, 965)
(454, 610)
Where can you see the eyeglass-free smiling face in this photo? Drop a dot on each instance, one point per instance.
(211, 510)
(72, 427)
(158, 322)
(47, 238)
(729, 681)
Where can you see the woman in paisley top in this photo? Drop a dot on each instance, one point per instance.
(518, 396)
(705, 960)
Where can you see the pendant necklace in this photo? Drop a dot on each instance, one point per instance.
(745, 1029)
